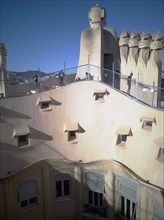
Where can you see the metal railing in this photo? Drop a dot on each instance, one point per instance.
(146, 94)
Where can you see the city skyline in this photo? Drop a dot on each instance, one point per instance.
(46, 34)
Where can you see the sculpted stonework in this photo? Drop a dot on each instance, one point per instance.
(124, 50)
(96, 44)
(154, 65)
(133, 54)
(157, 41)
(143, 54)
(144, 47)
(156, 47)
(3, 54)
(145, 40)
(97, 16)
(124, 39)
(4, 86)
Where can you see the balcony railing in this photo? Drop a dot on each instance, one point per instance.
(149, 95)
(146, 94)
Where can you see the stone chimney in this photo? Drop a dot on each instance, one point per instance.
(4, 81)
(97, 16)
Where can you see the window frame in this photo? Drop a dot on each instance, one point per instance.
(28, 204)
(146, 120)
(127, 208)
(42, 107)
(123, 138)
(22, 144)
(48, 108)
(120, 142)
(123, 134)
(146, 126)
(99, 95)
(95, 194)
(71, 129)
(62, 179)
(160, 156)
(91, 207)
(161, 152)
(19, 133)
(100, 199)
(130, 191)
(72, 135)
(42, 100)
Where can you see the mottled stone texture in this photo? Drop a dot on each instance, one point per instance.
(98, 42)
(142, 55)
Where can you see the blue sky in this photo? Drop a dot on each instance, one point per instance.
(45, 34)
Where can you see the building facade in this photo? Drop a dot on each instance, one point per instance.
(86, 150)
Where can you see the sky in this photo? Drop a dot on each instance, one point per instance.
(45, 34)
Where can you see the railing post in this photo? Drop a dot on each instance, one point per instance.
(113, 75)
(88, 63)
(152, 90)
(137, 80)
(64, 66)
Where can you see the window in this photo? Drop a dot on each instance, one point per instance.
(28, 195)
(161, 152)
(71, 135)
(160, 156)
(63, 186)
(99, 97)
(95, 188)
(160, 149)
(23, 140)
(123, 132)
(44, 102)
(126, 201)
(71, 129)
(100, 94)
(21, 134)
(95, 199)
(123, 138)
(147, 123)
(127, 208)
(44, 105)
(29, 202)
